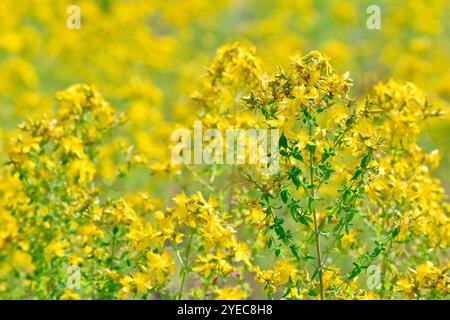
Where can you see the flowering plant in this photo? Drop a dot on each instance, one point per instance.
(351, 212)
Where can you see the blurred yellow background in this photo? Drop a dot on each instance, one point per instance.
(147, 57)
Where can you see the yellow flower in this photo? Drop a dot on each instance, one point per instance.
(212, 264)
(81, 170)
(69, 295)
(55, 248)
(127, 287)
(269, 278)
(405, 286)
(159, 266)
(294, 294)
(349, 239)
(285, 271)
(230, 293)
(242, 253)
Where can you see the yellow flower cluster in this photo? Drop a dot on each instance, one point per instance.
(203, 241)
(426, 281)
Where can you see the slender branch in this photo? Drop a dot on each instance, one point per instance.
(384, 269)
(200, 179)
(316, 227)
(184, 269)
(233, 181)
(113, 248)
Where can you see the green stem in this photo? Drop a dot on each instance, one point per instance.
(113, 249)
(384, 269)
(94, 296)
(316, 227)
(230, 197)
(205, 291)
(184, 269)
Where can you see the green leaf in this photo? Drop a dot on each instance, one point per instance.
(283, 141)
(365, 161)
(284, 194)
(311, 146)
(357, 174)
(304, 220)
(312, 293)
(310, 203)
(270, 243)
(277, 251)
(315, 274)
(376, 251)
(395, 232)
(356, 271)
(294, 251)
(294, 175)
(297, 156)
